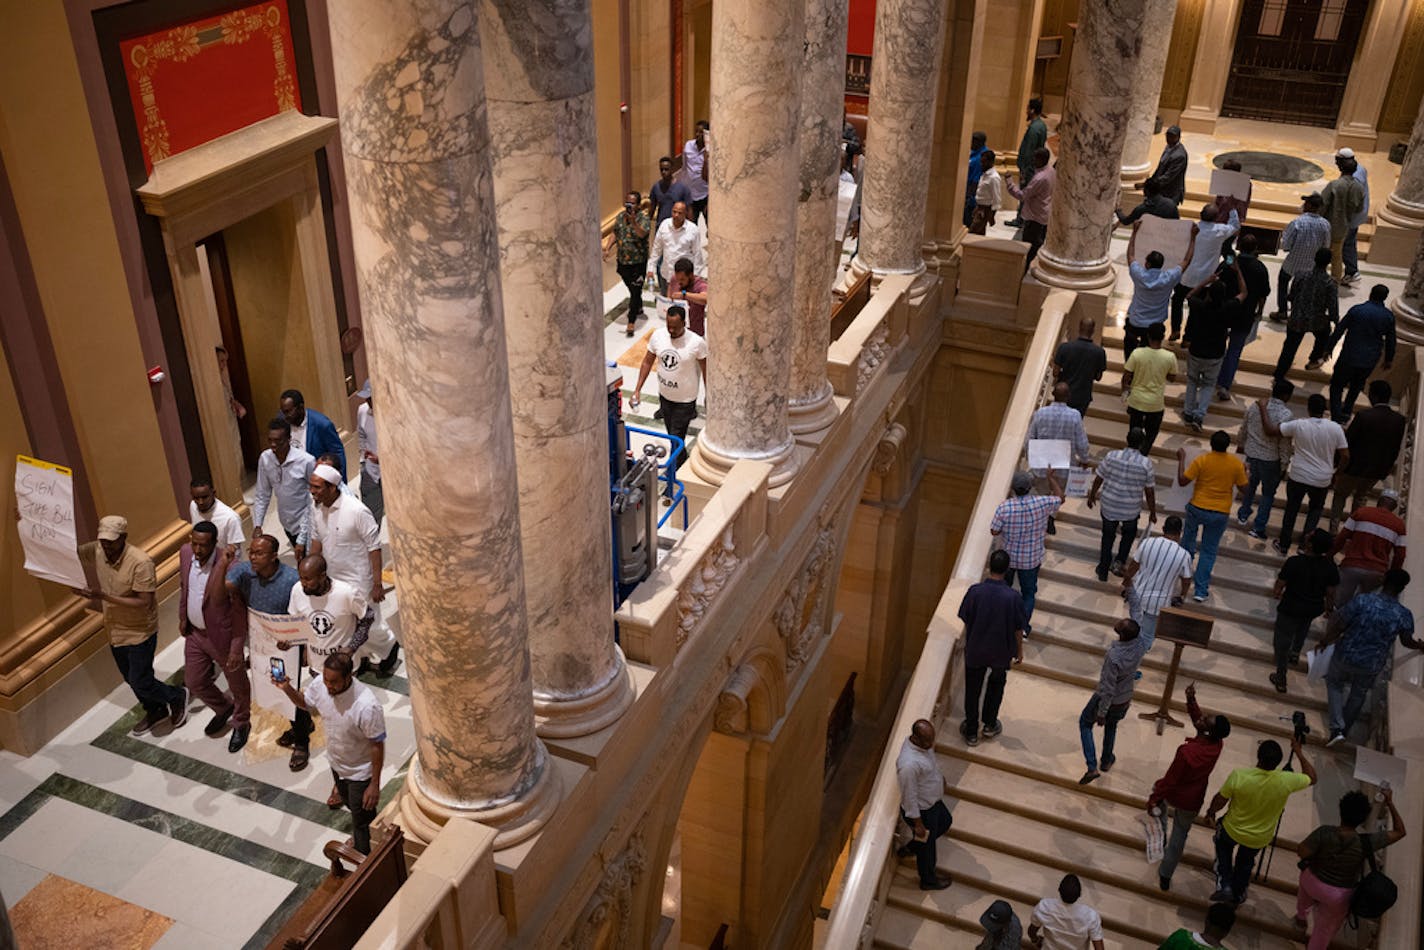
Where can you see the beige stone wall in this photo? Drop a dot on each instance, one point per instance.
(21, 597)
(651, 105)
(1006, 71)
(605, 107)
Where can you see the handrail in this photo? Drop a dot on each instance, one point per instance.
(667, 471)
(851, 922)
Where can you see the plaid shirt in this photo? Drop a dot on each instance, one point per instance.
(1022, 524)
(1301, 239)
(1059, 420)
(1125, 473)
(1259, 445)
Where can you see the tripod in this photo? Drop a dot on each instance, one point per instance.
(1263, 860)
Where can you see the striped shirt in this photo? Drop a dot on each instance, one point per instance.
(1301, 239)
(1373, 540)
(1259, 445)
(1022, 524)
(1058, 420)
(1125, 473)
(1162, 565)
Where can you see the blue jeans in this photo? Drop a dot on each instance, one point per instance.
(1028, 585)
(1350, 252)
(1213, 526)
(1088, 719)
(1201, 378)
(1267, 474)
(1229, 363)
(1346, 687)
(135, 663)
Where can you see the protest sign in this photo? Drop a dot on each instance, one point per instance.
(44, 493)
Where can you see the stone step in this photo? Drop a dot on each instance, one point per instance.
(904, 926)
(1236, 543)
(1074, 550)
(1093, 599)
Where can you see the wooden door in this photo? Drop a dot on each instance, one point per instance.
(231, 332)
(1292, 59)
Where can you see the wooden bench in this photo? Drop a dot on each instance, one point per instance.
(346, 902)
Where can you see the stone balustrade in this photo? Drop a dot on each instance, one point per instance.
(854, 357)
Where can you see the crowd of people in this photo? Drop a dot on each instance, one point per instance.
(1345, 566)
(335, 591)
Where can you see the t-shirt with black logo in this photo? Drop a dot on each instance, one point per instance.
(678, 373)
(332, 617)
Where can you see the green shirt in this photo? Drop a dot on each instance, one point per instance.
(1149, 368)
(1185, 939)
(1258, 797)
(1035, 137)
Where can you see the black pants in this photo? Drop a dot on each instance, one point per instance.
(1289, 638)
(1295, 491)
(974, 677)
(1283, 281)
(1110, 532)
(351, 791)
(1035, 234)
(135, 663)
(1318, 350)
(1349, 380)
(1179, 297)
(1148, 422)
(633, 276)
(677, 416)
(698, 210)
(1234, 863)
(937, 820)
(1132, 338)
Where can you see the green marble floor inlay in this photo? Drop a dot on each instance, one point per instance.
(303, 874)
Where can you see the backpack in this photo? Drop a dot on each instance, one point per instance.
(1375, 893)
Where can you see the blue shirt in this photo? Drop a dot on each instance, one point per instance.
(975, 171)
(1151, 293)
(992, 612)
(1372, 622)
(1368, 328)
(268, 596)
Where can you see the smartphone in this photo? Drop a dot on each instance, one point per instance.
(279, 669)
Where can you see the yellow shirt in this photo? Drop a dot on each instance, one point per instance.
(1257, 799)
(1150, 369)
(134, 573)
(1214, 474)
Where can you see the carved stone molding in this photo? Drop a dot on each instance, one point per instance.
(888, 448)
(754, 699)
(607, 919)
(872, 355)
(710, 577)
(798, 616)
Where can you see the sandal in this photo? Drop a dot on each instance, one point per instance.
(631, 331)
(334, 800)
(300, 755)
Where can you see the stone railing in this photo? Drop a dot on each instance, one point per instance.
(869, 866)
(855, 356)
(665, 610)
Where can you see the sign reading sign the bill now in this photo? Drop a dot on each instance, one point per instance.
(44, 494)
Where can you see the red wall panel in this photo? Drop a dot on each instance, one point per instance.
(861, 35)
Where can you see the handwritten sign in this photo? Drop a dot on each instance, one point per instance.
(1171, 237)
(264, 631)
(1232, 184)
(1056, 454)
(44, 493)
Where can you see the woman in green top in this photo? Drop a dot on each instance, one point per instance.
(1333, 860)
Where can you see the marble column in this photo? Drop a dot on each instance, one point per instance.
(410, 82)
(1409, 306)
(1404, 208)
(1211, 66)
(752, 192)
(1091, 134)
(1357, 126)
(543, 146)
(1137, 157)
(811, 405)
(909, 38)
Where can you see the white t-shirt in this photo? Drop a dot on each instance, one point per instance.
(366, 438)
(348, 534)
(678, 373)
(299, 435)
(1315, 441)
(354, 719)
(332, 617)
(227, 522)
(1067, 926)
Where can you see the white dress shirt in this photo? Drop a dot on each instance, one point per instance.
(366, 441)
(348, 533)
(288, 481)
(227, 522)
(198, 575)
(672, 244)
(921, 784)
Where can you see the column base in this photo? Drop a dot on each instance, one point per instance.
(421, 815)
(1132, 174)
(566, 717)
(923, 283)
(1402, 213)
(1409, 320)
(1072, 275)
(712, 464)
(813, 413)
(1394, 244)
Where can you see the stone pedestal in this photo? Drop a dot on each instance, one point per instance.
(1211, 66)
(1091, 134)
(1400, 221)
(543, 146)
(413, 127)
(1409, 306)
(1137, 158)
(752, 191)
(1385, 26)
(904, 67)
(810, 406)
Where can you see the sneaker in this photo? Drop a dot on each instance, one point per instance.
(145, 725)
(1165, 883)
(1279, 548)
(1257, 534)
(971, 738)
(1195, 425)
(178, 709)
(1222, 896)
(1349, 279)
(990, 732)
(1199, 598)
(1243, 516)
(1335, 738)
(1279, 682)
(1117, 568)
(1102, 574)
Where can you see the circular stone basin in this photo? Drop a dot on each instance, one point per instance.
(1272, 167)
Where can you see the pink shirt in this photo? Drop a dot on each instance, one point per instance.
(1036, 200)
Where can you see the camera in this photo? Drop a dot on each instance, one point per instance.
(1302, 729)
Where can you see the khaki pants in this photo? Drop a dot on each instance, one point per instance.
(1337, 259)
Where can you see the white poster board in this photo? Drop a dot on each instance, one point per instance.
(1050, 453)
(1170, 237)
(44, 494)
(1377, 768)
(1231, 184)
(1079, 481)
(263, 633)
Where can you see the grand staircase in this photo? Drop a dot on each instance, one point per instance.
(1021, 821)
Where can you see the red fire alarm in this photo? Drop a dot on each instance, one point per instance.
(156, 375)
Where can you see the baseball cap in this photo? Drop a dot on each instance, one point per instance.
(113, 527)
(1023, 481)
(996, 916)
(365, 391)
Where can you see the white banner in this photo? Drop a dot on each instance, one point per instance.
(44, 493)
(264, 631)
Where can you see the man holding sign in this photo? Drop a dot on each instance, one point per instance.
(264, 585)
(127, 592)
